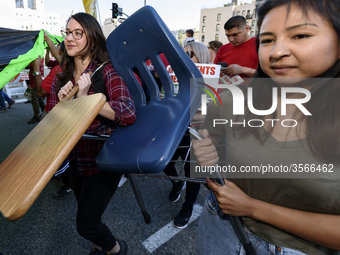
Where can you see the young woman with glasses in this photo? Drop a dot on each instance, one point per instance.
(85, 47)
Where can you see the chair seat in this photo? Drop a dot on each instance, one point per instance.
(146, 146)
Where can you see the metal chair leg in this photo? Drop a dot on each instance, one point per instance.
(139, 198)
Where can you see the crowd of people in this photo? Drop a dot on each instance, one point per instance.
(297, 46)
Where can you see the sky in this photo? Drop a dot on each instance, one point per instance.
(177, 14)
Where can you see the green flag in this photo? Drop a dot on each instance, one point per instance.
(16, 65)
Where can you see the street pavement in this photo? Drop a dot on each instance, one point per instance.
(49, 225)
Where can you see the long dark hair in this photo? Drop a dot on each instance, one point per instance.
(95, 46)
(322, 130)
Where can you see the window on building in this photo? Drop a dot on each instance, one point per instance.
(26, 27)
(217, 37)
(203, 29)
(218, 27)
(238, 13)
(204, 19)
(202, 38)
(253, 23)
(19, 3)
(31, 4)
(244, 13)
(43, 23)
(22, 27)
(252, 33)
(17, 14)
(219, 17)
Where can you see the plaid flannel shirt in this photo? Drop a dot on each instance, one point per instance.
(86, 151)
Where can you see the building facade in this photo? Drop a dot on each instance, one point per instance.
(29, 15)
(212, 20)
(108, 26)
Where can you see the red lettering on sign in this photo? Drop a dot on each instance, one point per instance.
(174, 78)
(202, 69)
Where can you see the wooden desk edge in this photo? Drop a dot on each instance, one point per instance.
(22, 208)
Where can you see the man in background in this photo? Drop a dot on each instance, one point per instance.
(36, 101)
(240, 53)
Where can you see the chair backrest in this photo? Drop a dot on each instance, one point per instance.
(148, 145)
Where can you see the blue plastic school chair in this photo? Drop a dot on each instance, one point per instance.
(148, 145)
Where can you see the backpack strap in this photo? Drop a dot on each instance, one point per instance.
(98, 84)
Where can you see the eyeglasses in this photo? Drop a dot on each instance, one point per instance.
(191, 55)
(76, 33)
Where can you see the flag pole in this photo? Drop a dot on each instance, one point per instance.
(100, 20)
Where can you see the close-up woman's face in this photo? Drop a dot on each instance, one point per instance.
(296, 46)
(76, 40)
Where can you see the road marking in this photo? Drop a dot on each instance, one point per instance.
(167, 232)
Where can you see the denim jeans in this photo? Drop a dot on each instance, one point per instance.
(3, 98)
(217, 236)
